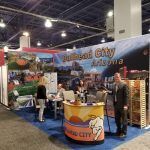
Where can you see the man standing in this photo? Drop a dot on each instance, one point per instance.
(120, 97)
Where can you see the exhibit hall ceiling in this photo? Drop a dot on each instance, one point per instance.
(75, 23)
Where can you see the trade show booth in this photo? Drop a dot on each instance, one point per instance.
(95, 65)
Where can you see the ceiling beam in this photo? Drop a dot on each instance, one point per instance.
(46, 17)
(74, 41)
(78, 8)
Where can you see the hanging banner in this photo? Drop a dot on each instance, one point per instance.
(37, 50)
(1, 57)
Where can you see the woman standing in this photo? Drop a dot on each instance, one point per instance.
(41, 95)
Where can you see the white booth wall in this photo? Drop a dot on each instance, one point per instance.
(3, 85)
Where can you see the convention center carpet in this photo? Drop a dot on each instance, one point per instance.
(18, 134)
(53, 128)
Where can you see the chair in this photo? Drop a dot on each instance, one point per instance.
(69, 95)
(101, 96)
(23, 101)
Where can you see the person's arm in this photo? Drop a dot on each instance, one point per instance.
(57, 95)
(77, 90)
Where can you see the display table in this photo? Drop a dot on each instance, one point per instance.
(84, 123)
(55, 101)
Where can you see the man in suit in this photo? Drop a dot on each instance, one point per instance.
(120, 97)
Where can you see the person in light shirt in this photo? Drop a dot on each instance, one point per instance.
(56, 97)
(59, 94)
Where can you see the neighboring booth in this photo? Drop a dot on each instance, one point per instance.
(84, 123)
(24, 69)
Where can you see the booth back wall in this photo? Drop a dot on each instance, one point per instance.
(97, 64)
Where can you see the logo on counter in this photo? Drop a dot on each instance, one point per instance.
(97, 126)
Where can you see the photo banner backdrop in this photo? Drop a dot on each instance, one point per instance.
(97, 64)
(51, 87)
(24, 69)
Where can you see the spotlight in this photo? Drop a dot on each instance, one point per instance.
(110, 14)
(103, 40)
(39, 43)
(2, 24)
(63, 34)
(48, 23)
(149, 30)
(78, 26)
(5, 49)
(74, 47)
(25, 33)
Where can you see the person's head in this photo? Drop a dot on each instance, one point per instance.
(43, 80)
(117, 77)
(59, 86)
(81, 83)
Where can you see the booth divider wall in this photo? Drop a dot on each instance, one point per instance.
(3, 79)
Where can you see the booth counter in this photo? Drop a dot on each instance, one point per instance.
(84, 123)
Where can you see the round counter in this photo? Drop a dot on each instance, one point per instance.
(84, 123)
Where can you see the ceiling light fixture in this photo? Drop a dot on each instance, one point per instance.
(103, 40)
(5, 48)
(39, 43)
(78, 26)
(74, 47)
(25, 33)
(110, 13)
(63, 34)
(48, 23)
(2, 24)
(52, 19)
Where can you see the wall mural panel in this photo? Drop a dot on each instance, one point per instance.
(24, 69)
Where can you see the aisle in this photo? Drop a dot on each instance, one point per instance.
(139, 143)
(17, 134)
(27, 134)
(53, 128)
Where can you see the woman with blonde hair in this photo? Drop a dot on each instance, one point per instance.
(41, 95)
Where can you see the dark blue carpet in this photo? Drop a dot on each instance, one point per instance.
(53, 128)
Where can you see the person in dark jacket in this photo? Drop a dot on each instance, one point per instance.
(41, 96)
(120, 97)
